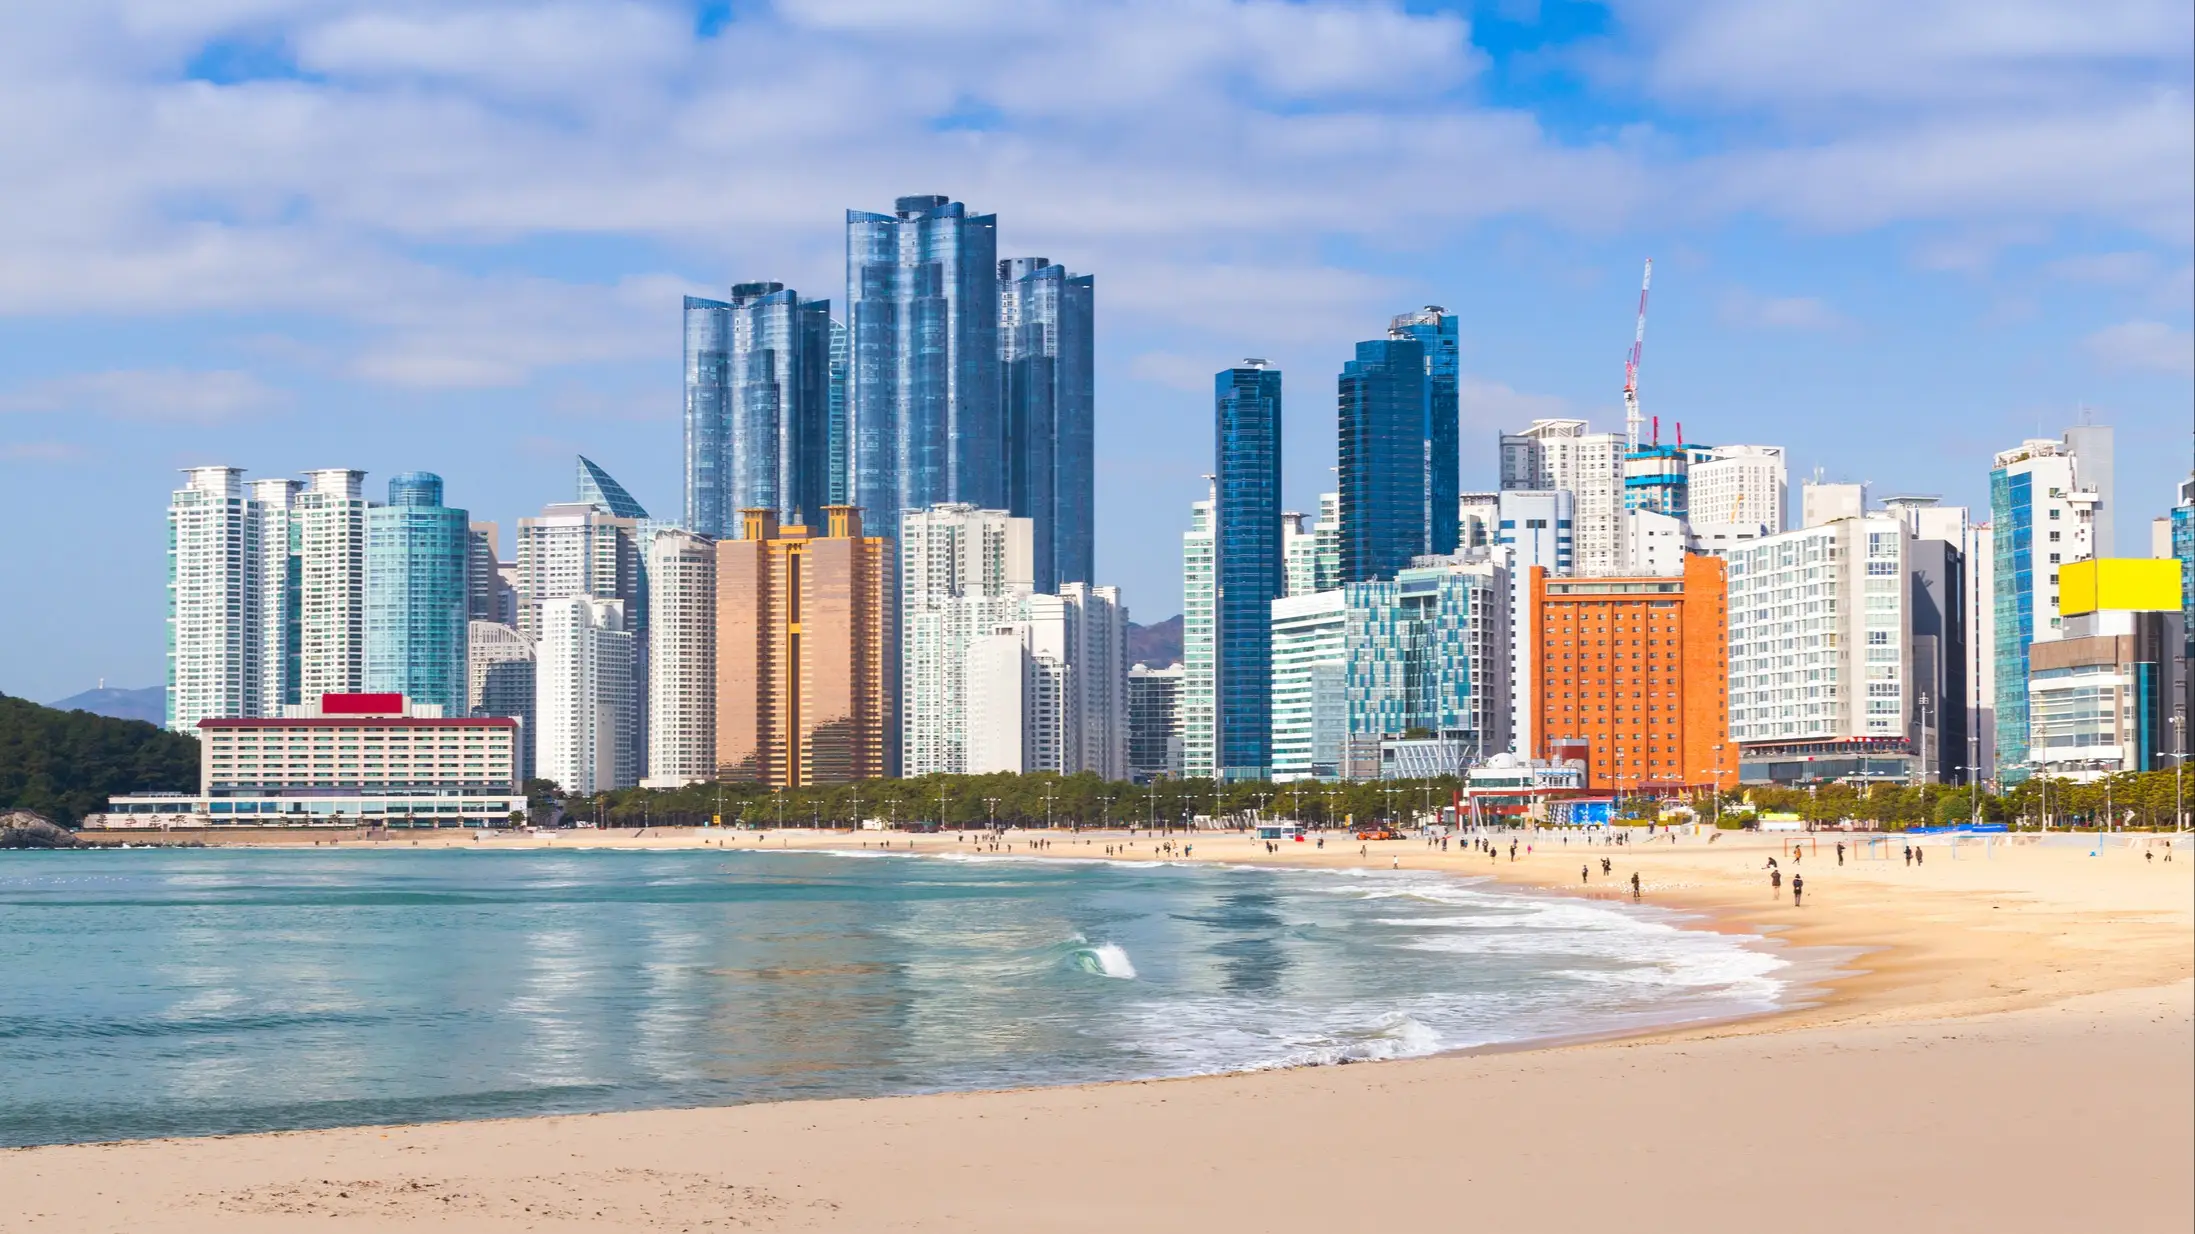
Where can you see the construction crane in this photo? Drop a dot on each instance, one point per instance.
(1631, 365)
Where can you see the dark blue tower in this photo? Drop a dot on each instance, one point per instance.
(1248, 564)
(1383, 414)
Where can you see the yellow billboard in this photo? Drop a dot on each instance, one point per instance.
(2119, 584)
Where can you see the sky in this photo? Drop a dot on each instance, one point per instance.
(1893, 236)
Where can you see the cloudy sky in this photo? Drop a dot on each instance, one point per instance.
(1892, 235)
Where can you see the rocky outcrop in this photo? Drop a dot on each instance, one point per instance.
(23, 829)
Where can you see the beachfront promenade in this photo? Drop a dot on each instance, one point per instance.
(2013, 1049)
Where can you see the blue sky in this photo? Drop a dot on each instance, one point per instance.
(279, 234)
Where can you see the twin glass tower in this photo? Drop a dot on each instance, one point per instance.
(952, 376)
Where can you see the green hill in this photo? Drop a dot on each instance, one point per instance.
(64, 764)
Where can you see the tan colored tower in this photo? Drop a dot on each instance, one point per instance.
(805, 651)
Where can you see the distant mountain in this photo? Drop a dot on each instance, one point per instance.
(1155, 645)
(149, 704)
(64, 764)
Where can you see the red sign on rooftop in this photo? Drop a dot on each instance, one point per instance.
(361, 704)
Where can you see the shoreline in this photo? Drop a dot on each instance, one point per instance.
(2004, 1009)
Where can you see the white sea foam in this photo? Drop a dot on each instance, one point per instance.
(1106, 960)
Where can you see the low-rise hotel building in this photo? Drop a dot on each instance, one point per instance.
(348, 760)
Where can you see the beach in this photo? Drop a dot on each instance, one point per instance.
(2011, 1046)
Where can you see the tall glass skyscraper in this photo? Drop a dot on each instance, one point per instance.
(758, 407)
(1383, 413)
(1250, 570)
(1435, 330)
(1045, 354)
(416, 550)
(923, 406)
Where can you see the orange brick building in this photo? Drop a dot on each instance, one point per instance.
(1632, 675)
(806, 658)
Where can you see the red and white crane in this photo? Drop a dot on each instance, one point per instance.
(1631, 418)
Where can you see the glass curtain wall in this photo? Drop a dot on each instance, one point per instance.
(1251, 571)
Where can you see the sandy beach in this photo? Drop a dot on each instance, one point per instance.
(2010, 1048)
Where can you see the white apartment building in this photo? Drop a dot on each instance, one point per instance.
(1742, 485)
(1299, 555)
(1478, 518)
(1821, 502)
(1655, 543)
(214, 638)
(2046, 501)
(681, 659)
(1821, 652)
(281, 551)
(572, 549)
(1327, 575)
(331, 591)
(1535, 527)
(583, 696)
(1565, 454)
(1154, 722)
(1089, 627)
(1046, 691)
(1981, 651)
(1200, 642)
(499, 681)
(963, 572)
(1310, 685)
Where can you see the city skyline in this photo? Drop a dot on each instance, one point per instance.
(400, 332)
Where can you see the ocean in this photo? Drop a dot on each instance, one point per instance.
(168, 992)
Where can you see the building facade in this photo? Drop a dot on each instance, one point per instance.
(2043, 515)
(1434, 330)
(806, 652)
(1248, 570)
(583, 696)
(1567, 455)
(499, 682)
(925, 419)
(1740, 485)
(281, 574)
(1383, 462)
(417, 566)
(1200, 644)
(963, 571)
(331, 602)
(2104, 696)
(1154, 723)
(213, 592)
(1428, 657)
(758, 396)
(1632, 675)
(681, 659)
(1047, 366)
(1310, 685)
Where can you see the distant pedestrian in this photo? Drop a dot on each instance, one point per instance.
(1798, 888)
(1909, 854)
(1919, 858)
(1840, 852)
(1634, 884)
(1585, 874)
(1775, 881)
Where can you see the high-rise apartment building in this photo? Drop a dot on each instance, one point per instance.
(1154, 723)
(1299, 555)
(281, 552)
(487, 596)
(1046, 360)
(1981, 652)
(681, 658)
(1200, 643)
(1046, 691)
(1434, 329)
(1567, 455)
(1740, 485)
(1632, 675)
(1016, 699)
(1941, 566)
(1310, 685)
(1533, 527)
(2043, 516)
(499, 681)
(924, 412)
(575, 548)
(417, 566)
(1821, 503)
(1326, 534)
(1383, 417)
(962, 572)
(1248, 570)
(2106, 696)
(592, 486)
(214, 637)
(1428, 655)
(583, 696)
(1478, 518)
(1093, 637)
(331, 601)
(758, 406)
(805, 652)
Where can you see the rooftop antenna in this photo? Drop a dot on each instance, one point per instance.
(1631, 364)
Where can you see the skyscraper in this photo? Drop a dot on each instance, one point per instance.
(1737, 485)
(963, 571)
(213, 600)
(1249, 572)
(1197, 704)
(583, 695)
(499, 681)
(924, 414)
(804, 652)
(1383, 417)
(1045, 353)
(331, 605)
(758, 407)
(1566, 454)
(1428, 653)
(2043, 515)
(596, 487)
(1154, 723)
(417, 553)
(274, 504)
(1434, 328)
(681, 658)
(1310, 685)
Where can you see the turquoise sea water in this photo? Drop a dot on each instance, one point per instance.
(188, 992)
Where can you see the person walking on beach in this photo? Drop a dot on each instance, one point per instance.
(1775, 882)
(1585, 874)
(1634, 884)
(1919, 858)
(1908, 854)
(1798, 888)
(1607, 866)
(1840, 852)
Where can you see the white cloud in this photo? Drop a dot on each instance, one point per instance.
(159, 395)
(1743, 308)
(1486, 406)
(2113, 269)
(2145, 345)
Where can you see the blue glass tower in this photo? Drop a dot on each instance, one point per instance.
(758, 407)
(1045, 354)
(923, 407)
(415, 594)
(1249, 566)
(1383, 414)
(1435, 330)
